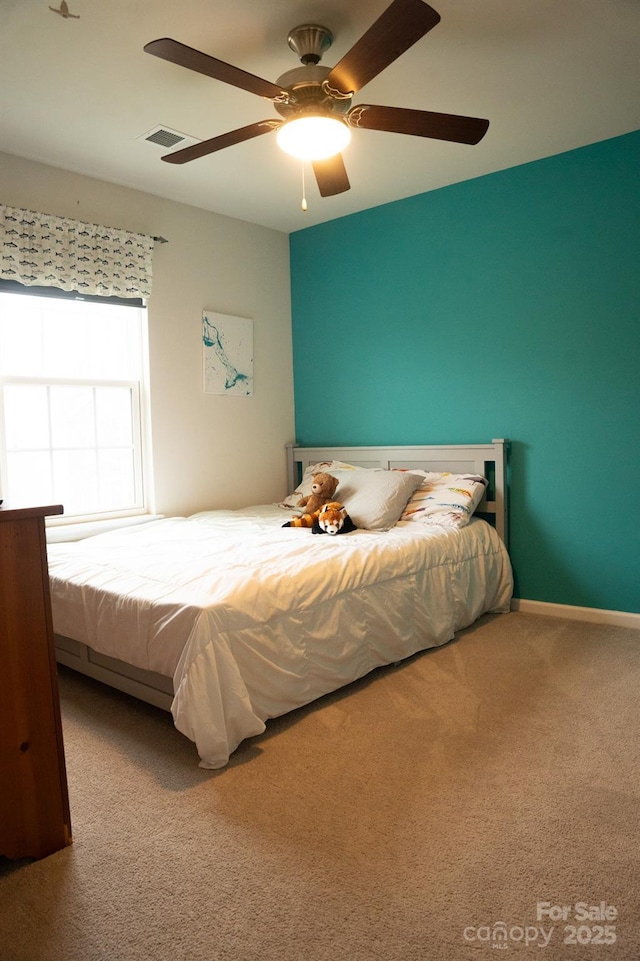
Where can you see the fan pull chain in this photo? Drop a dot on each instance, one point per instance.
(304, 192)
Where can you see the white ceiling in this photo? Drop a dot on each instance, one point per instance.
(550, 75)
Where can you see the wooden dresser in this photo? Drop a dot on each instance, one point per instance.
(34, 801)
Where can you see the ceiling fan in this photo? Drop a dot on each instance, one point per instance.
(312, 92)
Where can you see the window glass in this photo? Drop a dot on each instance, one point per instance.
(71, 377)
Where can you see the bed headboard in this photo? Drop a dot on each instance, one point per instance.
(490, 460)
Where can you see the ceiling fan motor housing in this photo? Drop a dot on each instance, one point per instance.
(304, 85)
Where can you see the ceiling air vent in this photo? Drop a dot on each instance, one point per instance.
(166, 138)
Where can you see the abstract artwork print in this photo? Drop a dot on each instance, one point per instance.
(228, 354)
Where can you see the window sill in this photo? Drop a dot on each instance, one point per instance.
(77, 532)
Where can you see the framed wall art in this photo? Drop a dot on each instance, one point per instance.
(227, 344)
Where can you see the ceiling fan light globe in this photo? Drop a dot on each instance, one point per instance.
(313, 138)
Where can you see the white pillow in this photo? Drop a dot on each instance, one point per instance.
(304, 488)
(443, 498)
(375, 499)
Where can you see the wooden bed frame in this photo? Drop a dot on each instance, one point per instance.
(490, 460)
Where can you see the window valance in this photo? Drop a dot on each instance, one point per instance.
(40, 249)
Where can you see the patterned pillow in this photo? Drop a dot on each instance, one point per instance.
(446, 499)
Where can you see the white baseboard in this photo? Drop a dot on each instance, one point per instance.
(591, 614)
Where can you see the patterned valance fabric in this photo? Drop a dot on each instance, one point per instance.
(39, 249)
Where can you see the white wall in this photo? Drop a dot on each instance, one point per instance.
(208, 450)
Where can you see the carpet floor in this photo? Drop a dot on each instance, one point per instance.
(482, 796)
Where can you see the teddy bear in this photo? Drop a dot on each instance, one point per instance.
(323, 487)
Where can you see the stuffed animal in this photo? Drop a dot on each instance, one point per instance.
(304, 520)
(333, 519)
(330, 519)
(323, 487)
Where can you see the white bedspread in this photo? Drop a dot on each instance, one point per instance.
(253, 620)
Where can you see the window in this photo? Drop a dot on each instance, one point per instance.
(71, 402)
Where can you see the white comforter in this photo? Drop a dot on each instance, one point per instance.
(253, 620)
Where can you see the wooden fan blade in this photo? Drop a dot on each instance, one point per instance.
(331, 176)
(418, 123)
(399, 27)
(184, 56)
(224, 140)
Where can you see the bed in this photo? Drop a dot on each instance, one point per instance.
(226, 618)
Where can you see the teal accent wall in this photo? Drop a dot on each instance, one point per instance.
(506, 306)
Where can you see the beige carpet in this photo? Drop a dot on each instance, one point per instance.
(400, 820)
